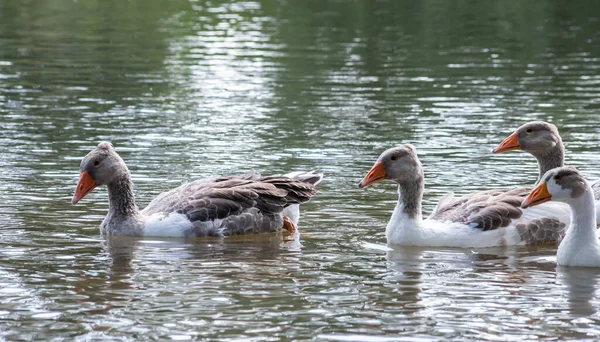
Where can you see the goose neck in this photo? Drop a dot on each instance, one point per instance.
(551, 160)
(410, 196)
(121, 197)
(583, 210)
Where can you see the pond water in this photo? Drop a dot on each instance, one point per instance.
(187, 89)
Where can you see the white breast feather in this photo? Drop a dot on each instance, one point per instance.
(172, 225)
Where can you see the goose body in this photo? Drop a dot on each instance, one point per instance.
(481, 219)
(580, 246)
(542, 140)
(218, 206)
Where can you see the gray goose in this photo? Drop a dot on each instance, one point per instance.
(542, 140)
(580, 246)
(219, 206)
(480, 219)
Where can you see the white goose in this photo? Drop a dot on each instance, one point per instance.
(542, 140)
(209, 207)
(481, 219)
(580, 246)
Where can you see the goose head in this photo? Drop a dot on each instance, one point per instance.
(537, 137)
(99, 167)
(399, 164)
(562, 184)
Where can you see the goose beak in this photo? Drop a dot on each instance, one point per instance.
(376, 174)
(85, 185)
(537, 196)
(509, 144)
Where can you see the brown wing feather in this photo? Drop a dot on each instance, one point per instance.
(219, 198)
(542, 230)
(297, 191)
(485, 210)
(218, 204)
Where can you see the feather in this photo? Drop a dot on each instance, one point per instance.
(235, 205)
(485, 210)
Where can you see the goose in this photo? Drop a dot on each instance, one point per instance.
(218, 206)
(480, 219)
(580, 246)
(542, 140)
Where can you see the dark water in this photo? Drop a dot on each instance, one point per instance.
(187, 89)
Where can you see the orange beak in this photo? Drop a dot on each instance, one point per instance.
(85, 185)
(376, 174)
(537, 196)
(509, 144)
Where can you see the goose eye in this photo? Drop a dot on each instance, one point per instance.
(393, 157)
(557, 177)
(529, 130)
(97, 163)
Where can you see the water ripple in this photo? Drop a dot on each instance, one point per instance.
(190, 89)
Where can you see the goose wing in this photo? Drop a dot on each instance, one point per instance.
(485, 210)
(233, 205)
(499, 208)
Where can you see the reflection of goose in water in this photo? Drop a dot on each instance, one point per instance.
(209, 207)
(236, 248)
(126, 259)
(102, 290)
(406, 265)
(423, 277)
(580, 284)
(121, 251)
(480, 219)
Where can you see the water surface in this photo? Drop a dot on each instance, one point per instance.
(187, 89)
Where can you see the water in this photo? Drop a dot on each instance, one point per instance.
(187, 89)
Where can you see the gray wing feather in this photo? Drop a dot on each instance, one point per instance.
(248, 222)
(541, 230)
(233, 205)
(297, 191)
(485, 210)
(493, 209)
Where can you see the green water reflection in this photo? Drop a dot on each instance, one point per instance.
(187, 89)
